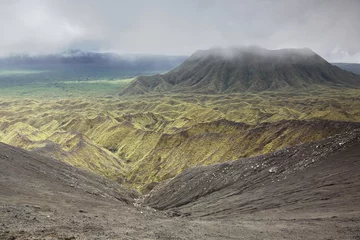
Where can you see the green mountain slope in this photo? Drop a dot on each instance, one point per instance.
(246, 69)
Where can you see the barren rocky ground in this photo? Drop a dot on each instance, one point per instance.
(310, 191)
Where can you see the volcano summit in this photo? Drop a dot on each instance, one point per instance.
(245, 69)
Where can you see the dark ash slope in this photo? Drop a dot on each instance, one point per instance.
(247, 69)
(25, 175)
(319, 180)
(41, 198)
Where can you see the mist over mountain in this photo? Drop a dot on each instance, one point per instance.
(245, 69)
(184, 120)
(128, 61)
(78, 65)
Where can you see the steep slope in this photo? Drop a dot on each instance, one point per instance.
(319, 180)
(246, 69)
(28, 175)
(70, 147)
(42, 198)
(220, 141)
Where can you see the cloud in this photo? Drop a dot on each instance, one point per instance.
(329, 27)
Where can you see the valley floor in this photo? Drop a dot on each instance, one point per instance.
(110, 221)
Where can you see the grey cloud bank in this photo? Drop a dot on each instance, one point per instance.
(328, 27)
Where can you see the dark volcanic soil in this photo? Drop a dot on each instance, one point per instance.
(306, 192)
(315, 183)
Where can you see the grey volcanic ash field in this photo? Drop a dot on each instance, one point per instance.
(306, 192)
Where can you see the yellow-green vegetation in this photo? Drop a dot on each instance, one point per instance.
(19, 72)
(71, 147)
(150, 138)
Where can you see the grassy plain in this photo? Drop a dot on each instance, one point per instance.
(65, 89)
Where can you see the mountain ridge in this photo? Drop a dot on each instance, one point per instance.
(78, 56)
(245, 69)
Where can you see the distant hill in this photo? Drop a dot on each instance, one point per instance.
(129, 61)
(78, 65)
(351, 67)
(245, 69)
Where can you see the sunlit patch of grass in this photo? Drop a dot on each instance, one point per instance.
(20, 72)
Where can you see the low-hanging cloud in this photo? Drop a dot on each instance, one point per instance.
(329, 27)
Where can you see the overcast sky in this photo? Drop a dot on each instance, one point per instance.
(329, 27)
